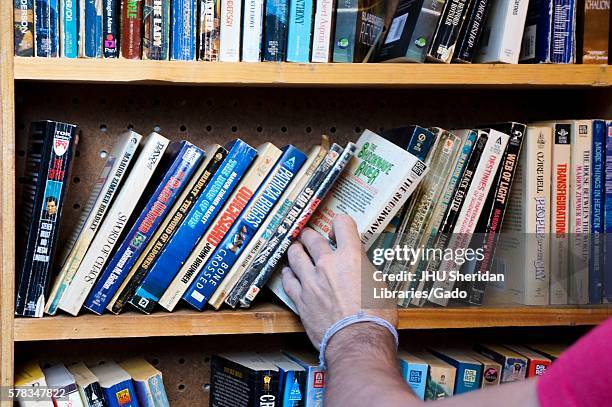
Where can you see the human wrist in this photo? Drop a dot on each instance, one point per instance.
(360, 340)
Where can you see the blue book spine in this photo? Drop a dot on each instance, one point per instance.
(315, 385)
(92, 29)
(597, 212)
(199, 218)
(608, 216)
(188, 157)
(145, 398)
(121, 395)
(292, 386)
(243, 229)
(539, 21)
(70, 28)
(415, 374)
(275, 30)
(468, 375)
(563, 38)
(183, 30)
(158, 392)
(300, 31)
(46, 27)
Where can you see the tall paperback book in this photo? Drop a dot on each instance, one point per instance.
(131, 29)
(116, 385)
(208, 31)
(445, 38)
(88, 385)
(472, 30)
(156, 30)
(322, 30)
(275, 30)
(110, 28)
(300, 30)
(46, 26)
(608, 217)
(185, 159)
(115, 222)
(359, 25)
(596, 32)
(90, 28)
(503, 33)
(69, 29)
(60, 378)
(597, 252)
(252, 30)
(315, 379)
(148, 383)
(99, 202)
(292, 379)
(229, 39)
(23, 33)
(49, 156)
(167, 229)
(183, 35)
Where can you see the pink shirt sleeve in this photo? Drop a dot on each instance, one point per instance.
(582, 375)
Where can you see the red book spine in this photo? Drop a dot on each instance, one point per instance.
(131, 23)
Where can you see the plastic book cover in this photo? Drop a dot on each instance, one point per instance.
(131, 29)
(299, 35)
(110, 29)
(69, 29)
(90, 26)
(156, 35)
(23, 33)
(275, 30)
(46, 25)
(183, 35)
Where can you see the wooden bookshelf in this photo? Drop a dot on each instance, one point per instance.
(312, 75)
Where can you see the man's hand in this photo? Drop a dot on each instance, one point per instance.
(326, 284)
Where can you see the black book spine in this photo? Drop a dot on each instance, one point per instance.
(110, 30)
(266, 389)
(232, 384)
(446, 35)
(275, 30)
(472, 30)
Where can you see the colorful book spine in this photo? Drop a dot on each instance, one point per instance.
(315, 378)
(597, 212)
(69, 29)
(563, 48)
(596, 32)
(46, 26)
(469, 371)
(47, 172)
(300, 31)
(445, 38)
(90, 26)
(131, 29)
(275, 30)
(23, 33)
(183, 35)
(471, 33)
(229, 40)
(210, 14)
(322, 30)
(252, 30)
(199, 219)
(608, 216)
(156, 38)
(414, 373)
(243, 229)
(110, 30)
(178, 175)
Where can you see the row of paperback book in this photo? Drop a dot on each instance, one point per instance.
(464, 31)
(294, 378)
(131, 383)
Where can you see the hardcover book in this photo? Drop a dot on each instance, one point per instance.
(69, 29)
(536, 363)
(49, 156)
(445, 38)
(229, 39)
(275, 30)
(469, 370)
(252, 30)
(300, 30)
(23, 33)
(88, 385)
(322, 30)
(414, 371)
(148, 383)
(208, 43)
(501, 41)
(60, 378)
(359, 25)
(90, 26)
(183, 27)
(470, 37)
(514, 365)
(596, 32)
(46, 25)
(131, 29)
(315, 380)
(110, 29)
(156, 30)
(116, 384)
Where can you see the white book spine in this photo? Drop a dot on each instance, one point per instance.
(229, 41)
(252, 30)
(504, 32)
(114, 224)
(322, 29)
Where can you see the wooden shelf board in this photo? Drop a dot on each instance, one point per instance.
(271, 318)
(323, 75)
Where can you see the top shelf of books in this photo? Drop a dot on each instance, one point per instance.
(311, 75)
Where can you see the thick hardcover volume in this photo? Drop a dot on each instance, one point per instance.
(294, 226)
(177, 176)
(252, 30)
(183, 35)
(447, 33)
(471, 33)
(267, 229)
(208, 43)
(471, 210)
(275, 30)
(69, 29)
(115, 222)
(411, 31)
(414, 371)
(503, 33)
(116, 385)
(87, 383)
(469, 370)
(608, 217)
(168, 227)
(245, 226)
(596, 257)
(198, 220)
(23, 32)
(148, 383)
(490, 222)
(93, 214)
(300, 30)
(156, 36)
(243, 380)
(322, 30)
(46, 25)
(295, 208)
(229, 39)
(596, 32)
(110, 29)
(359, 25)
(90, 28)
(49, 156)
(267, 155)
(131, 29)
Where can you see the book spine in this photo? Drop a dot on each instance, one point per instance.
(275, 30)
(69, 33)
(23, 32)
(110, 31)
(143, 393)
(121, 394)
(183, 30)
(91, 29)
(229, 41)
(537, 36)
(294, 225)
(299, 31)
(266, 391)
(156, 36)
(608, 216)
(210, 14)
(131, 29)
(115, 222)
(322, 31)
(198, 220)
(596, 32)
(275, 239)
(563, 47)
(158, 392)
(252, 30)
(134, 243)
(244, 228)
(92, 395)
(503, 33)
(597, 213)
(46, 23)
(51, 179)
(472, 30)
(345, 34)
(446, 35)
